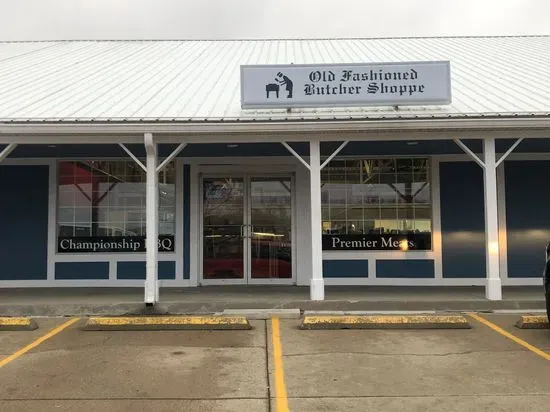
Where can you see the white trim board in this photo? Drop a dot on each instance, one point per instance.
(427, 282)
(437, 237)
(89, 283)
(116, 257)
(179, 235)
(264, 130)
(501, 212)
(52, 217)
(195, 224)
(328, 282)
(379, 255)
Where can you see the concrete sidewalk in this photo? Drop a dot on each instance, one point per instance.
(124, 301)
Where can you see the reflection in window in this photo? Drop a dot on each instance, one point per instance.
(107, 198)
(362, 196)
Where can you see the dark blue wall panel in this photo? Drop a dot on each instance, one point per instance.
(526, 146)
(527, 216)
(408, 268)
(345, 268)
(192, 150)
(23, 222)
(401, 147)
(243, 149)
(76, 150)
(365, 148)
(186, 221)
(462, 220)
(82, 270)
(136, 270)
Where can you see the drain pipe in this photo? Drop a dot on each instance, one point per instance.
(152, 193)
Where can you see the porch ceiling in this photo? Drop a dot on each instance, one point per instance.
(354, 148)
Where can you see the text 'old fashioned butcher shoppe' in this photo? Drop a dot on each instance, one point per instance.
(412, 83)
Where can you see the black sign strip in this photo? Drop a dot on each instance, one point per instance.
(111, 244)
(404, 242)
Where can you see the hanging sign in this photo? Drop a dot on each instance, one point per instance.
(333, 85)
(110, 244)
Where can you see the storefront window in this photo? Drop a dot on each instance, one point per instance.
(106, 199)
(376, 196)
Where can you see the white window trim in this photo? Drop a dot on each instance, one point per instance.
(391, 254)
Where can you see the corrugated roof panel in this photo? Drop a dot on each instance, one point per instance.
(97, 83)
(218, 83)
(10, 50)
(138, 87)
(200, 80)
(38, 87)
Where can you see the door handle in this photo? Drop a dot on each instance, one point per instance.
(242, 231)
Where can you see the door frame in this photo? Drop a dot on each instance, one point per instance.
(202, 280)
(236, 172)
(248, 273)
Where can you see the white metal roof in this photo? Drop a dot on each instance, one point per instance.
(112, 81)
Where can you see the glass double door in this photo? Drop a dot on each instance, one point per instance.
(247, 229)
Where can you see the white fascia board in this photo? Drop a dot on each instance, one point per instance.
(427, 129)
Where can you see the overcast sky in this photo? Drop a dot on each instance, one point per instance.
(215, 19)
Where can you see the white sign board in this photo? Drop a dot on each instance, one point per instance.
(315, 85)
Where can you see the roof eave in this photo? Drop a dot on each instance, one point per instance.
(206, 131)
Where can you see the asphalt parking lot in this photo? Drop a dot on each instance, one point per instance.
(276, 366)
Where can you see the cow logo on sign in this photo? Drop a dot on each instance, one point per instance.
(280, 80)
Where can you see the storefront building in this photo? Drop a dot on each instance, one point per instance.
(125, 161)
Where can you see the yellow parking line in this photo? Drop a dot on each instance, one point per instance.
(510, 336)
(37, 342)
(281, 399)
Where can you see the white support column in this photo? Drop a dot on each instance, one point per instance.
(152, 193)
(493, 291)
(317, 288)
(317, 285)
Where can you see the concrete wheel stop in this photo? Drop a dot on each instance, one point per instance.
(533, 322)
(180, 322)
(385, 322)
(17, 324)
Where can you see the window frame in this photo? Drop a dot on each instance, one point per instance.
(429, 178)
(176, 233)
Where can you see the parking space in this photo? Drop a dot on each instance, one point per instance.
(189, 370)
(257, 370)
(11, 342)
(540, 338)
(395, 370)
